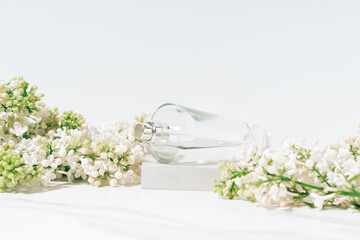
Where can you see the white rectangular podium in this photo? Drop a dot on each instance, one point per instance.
(178, 177)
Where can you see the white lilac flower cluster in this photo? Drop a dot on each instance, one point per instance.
(37, 144)
(317, 175)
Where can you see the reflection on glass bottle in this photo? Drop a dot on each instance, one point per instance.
(182, 135)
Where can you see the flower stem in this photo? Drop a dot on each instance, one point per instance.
(320, 175)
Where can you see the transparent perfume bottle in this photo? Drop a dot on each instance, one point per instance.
(183, 135)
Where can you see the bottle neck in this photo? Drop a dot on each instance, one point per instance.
(151, 131)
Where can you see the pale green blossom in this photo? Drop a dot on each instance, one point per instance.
(295, 174)
(38, 144)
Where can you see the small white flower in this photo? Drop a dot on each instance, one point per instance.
(319, 200)
(113, 182)
(18, 130)
(309, 163)
(45, 163)
(274, 193)
(118, 175)
(91, 180)
(112, 167)
(272, 170)
(62, 152)
(94, 174)
(58, 161)
(97, 183)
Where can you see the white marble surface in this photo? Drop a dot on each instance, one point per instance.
(81, 211)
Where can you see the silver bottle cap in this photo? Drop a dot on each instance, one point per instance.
(149, 131)
(144, 131)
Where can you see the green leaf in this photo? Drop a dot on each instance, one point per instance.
(354, 178)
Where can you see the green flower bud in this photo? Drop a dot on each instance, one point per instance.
(71, 120)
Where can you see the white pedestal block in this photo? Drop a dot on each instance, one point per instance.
(179, 177)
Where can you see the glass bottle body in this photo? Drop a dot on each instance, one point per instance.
(183, 135)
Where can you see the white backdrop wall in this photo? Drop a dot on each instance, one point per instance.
(291, 66)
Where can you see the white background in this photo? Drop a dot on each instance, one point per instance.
(291, 66)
